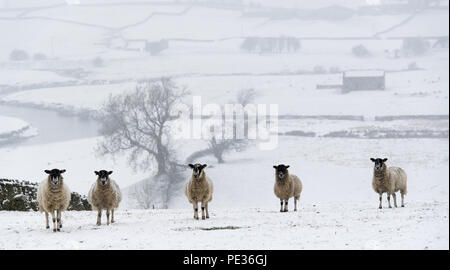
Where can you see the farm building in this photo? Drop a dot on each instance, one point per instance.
(363, 80)
(156, 47)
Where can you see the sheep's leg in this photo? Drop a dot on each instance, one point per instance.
(195, 210)
(47, 226)
(54, 220)
(58, 220)
(281, 202)
(389, 200)
(286, 205)
(295, 204)
(207, 212)
(112, 215)
(381, 199)
(107, 216)
(203, 210)
(394, 196)
(403, 199)
(99, 217)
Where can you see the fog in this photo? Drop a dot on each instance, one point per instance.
(372, 72)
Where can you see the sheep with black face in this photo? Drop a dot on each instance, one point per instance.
(104, 194)
(199, 189)
(286, 186)
(53, 197)
(389, 180)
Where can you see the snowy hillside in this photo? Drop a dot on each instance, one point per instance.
(71, 31)
(347, 175)
(408, 93)
(337, 225)
(13, 129)
(9, 124)
(60, 63)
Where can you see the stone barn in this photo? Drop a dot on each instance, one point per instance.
(155, 47)
(363, 80)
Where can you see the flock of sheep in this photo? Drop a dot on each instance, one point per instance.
(54, 195)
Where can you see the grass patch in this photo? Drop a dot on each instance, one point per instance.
(221, 228)
(210, 228)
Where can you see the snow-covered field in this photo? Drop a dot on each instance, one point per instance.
(64, 98)
(338, 208)
(328, 225)
(14, 128)
(408, 93)
(17, 77)
(77, 157)
(65, 24)
(332, 169)
(10, 124)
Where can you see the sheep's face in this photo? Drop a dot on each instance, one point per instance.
(103, 176)
(281, 171)
(197, 170)
(379, 163)
(55, 176)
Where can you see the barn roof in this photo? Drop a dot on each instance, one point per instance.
(364, 73)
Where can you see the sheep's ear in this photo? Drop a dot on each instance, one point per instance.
(372, 159)
(47, 171)
(287, 166)
(204, 166)
(110, 172)
(96, 172)
(62, 171)
(384, 159)
(275, 167)
(191, 165)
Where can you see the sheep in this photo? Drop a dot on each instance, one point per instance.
(53, 195)
(199, 189)
(389, 180)
(286, 186)
(104, 194)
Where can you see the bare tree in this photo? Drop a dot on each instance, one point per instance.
(218, 147)
(249, 44)
(360, 51)
(246, 96)
(142, 193)
(271, 44)
(137, 123)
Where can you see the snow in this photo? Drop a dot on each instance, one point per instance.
(402, 97)
(64, 97)
(322, 225)
(22, 77)
(77, 31)
(18, 196)
(426, 23)
(364, 73)
(12, 128)
(78, 157)
(322, 127)
(331, 170)
(11, 124)
(338, 208)
(348, 168)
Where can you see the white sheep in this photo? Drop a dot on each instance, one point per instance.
(286, 186)
(104, 194)
(389, 180)
(53, 195)
(199, 189)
